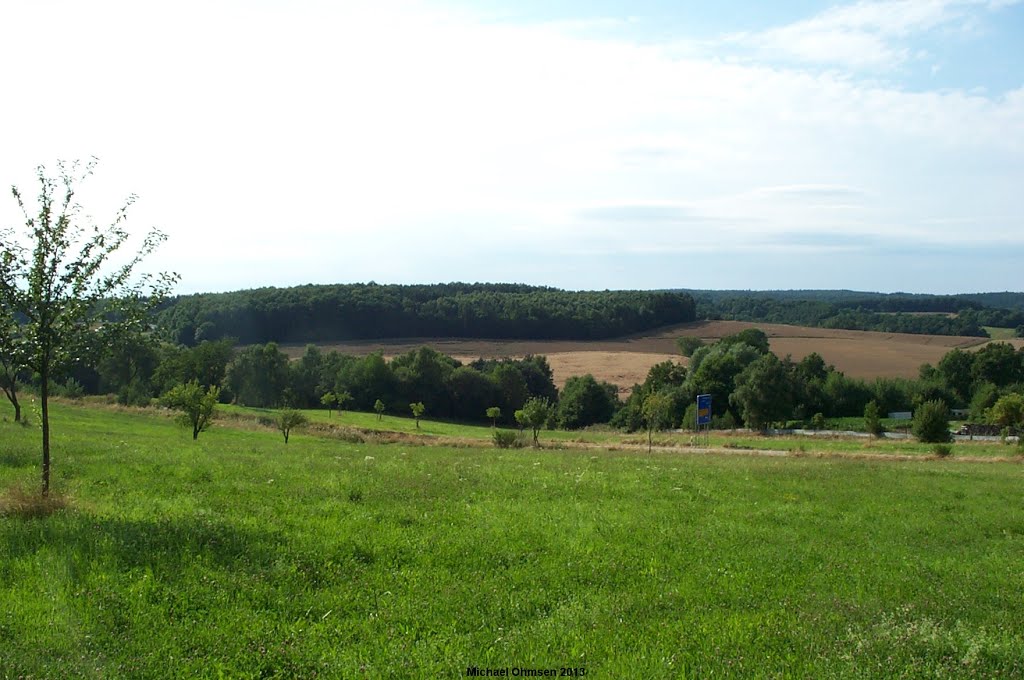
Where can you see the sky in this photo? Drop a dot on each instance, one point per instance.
(591, 144)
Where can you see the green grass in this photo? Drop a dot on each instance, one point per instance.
(997, 333)
(239, 556)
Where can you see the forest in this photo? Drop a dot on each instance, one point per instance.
(321, 313)
(850, 310)
(316, 313)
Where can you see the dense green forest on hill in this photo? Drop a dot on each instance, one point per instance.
(852, 310)
(317, 313)
(359, 311)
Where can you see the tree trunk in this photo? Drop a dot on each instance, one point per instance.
(44, 397)
(12, 396)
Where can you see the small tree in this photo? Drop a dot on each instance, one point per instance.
(378, 406)
(872, 419)
(494, 413)
(344, 399)
(535, 414)
(289, 418)
(71, 295)
(688, 344)
(417, 409)
(931, 422)
(657, 411)
(818, 421)
(197, 406)
(11, 360)
(330, 400)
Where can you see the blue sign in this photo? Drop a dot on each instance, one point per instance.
(703, 409)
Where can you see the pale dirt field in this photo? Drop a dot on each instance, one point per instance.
(625, 361)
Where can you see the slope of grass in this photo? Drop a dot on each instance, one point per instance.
(240, 556)
(997, 333)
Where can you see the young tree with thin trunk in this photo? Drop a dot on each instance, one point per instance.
(11, 361)
(493, 413)
(534, 415)
(417, 411)
(288, 419)
(657, 413)
(69, 284)
(344, 399)
(197, 405)
(330, 400)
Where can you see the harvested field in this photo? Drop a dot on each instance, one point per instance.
(625, 361)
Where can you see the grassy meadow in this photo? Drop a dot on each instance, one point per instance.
(237, 556)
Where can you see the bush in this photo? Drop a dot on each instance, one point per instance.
(724, 422)
(931, 422)
(942, 450)
(872, 419)
(818, 421)
(70, 389)
(690, 417)
(507, 439)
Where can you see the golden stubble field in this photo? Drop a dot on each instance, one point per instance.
(625, 361)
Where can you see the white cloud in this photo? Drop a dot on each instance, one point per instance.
(357, 142)
(867, 34)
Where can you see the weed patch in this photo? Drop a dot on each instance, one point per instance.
(18, 501)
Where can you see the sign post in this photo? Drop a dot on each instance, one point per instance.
(704, 417)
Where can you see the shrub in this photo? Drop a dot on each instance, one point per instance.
(70, 389)
(872, 419)
(931, 422)
(690, 417)
(506, 439)
(727, 421)
(942, 450)
(818, 421)
(688, 345)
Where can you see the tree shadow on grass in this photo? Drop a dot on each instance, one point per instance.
(164, 545)
(18, 459)
(173, 549)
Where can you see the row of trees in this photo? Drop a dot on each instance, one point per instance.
(751, 385)
(337, 312)
(932, 315)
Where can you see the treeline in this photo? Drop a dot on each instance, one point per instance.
(921, 314)
(263, 376)
(752, 386)
(749, 384)
(357, 311)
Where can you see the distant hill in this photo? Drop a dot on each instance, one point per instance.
(314, 313)
(317, 313)
(1005, 300)
(965, 314)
